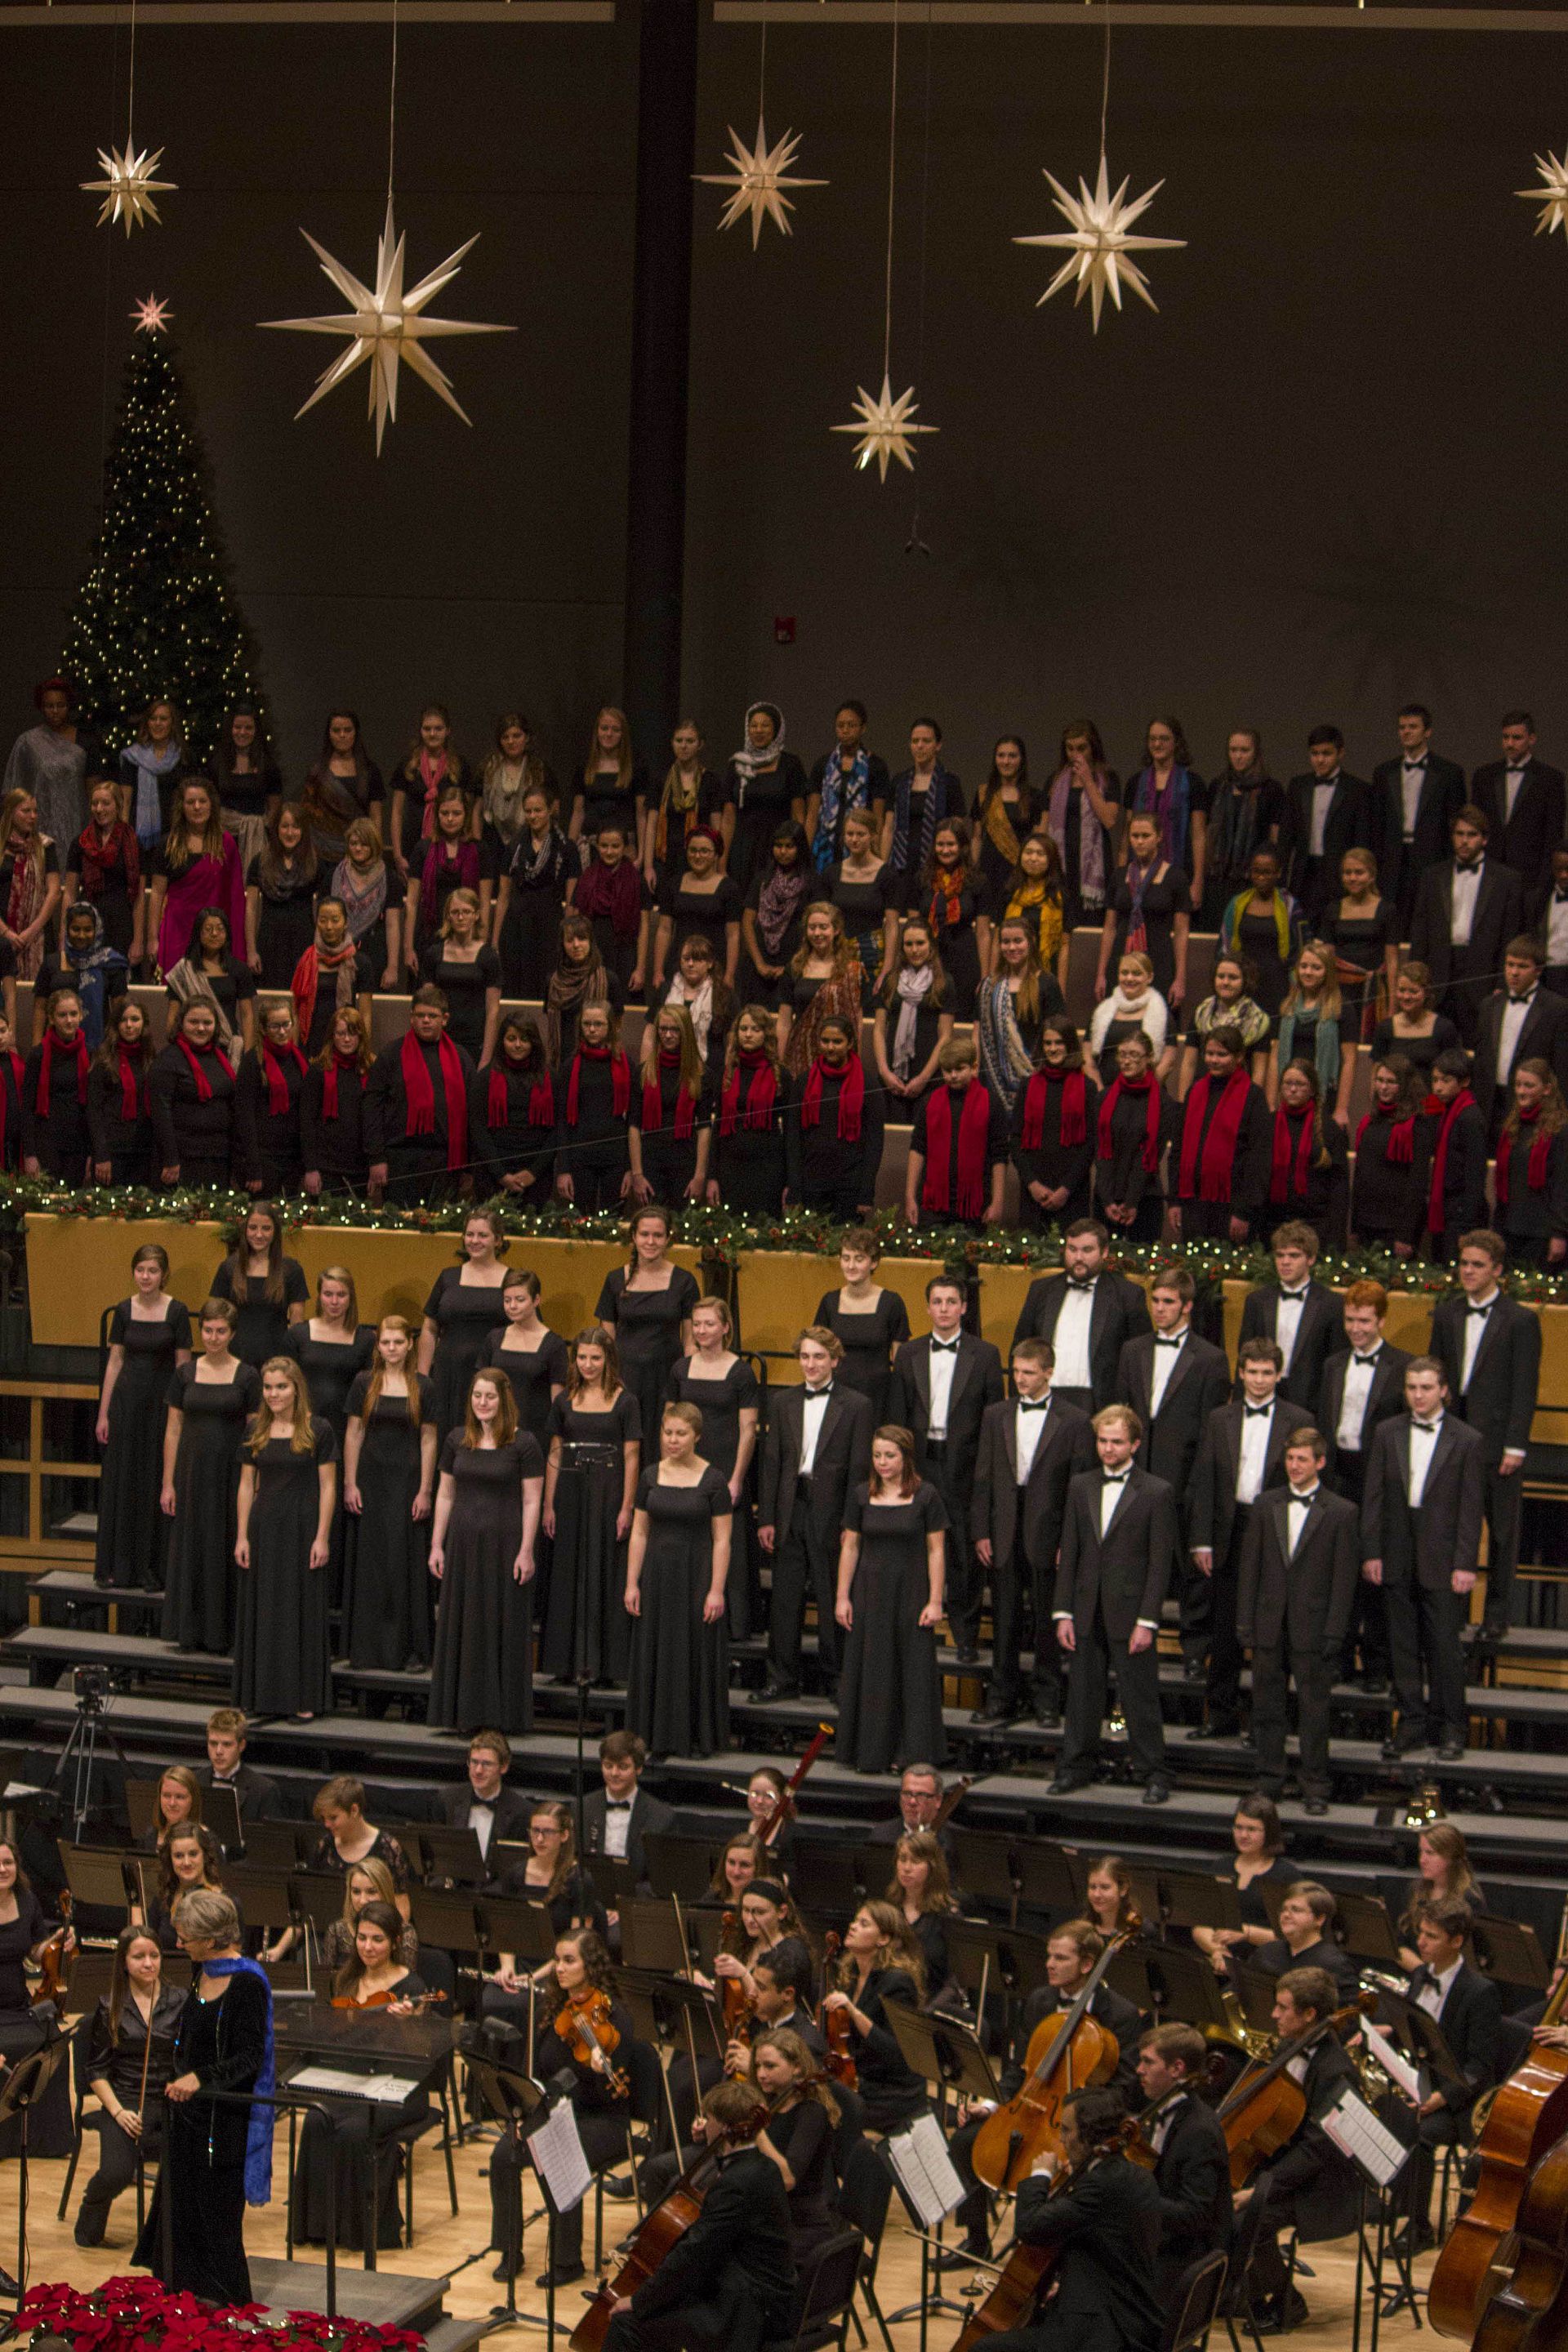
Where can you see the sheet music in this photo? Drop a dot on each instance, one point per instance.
(385, 2090)
(1365, 2138)
(1393, 2061)
(556, 2149)
(925, 2170)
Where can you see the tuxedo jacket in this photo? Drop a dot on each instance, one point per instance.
(1442, 791)
(1198, 1385)
(1107, 2229)
(1309, 1594)
(1525, 840)
(1322, 2183)
(1504, 1382)
(1129, 1569)
(1499, 917)
(1350, 825)
(1064, 1453)
(1192, 2173)
(1384, 1398)
(1120, 1313)
(257, 1797)
(511, 1814)
(1212, 1518)
(843, 1459)
(1446, 1534)
(648, 1813)
(976, 1384)
(1468, 2022)
(1319, 1333)
(1543, 1034)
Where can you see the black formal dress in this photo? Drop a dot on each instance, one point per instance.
(1420, 1052)
(746, 1158)
(721, 1403)
(646, 1325)
(286, 918)
(532, 1372)
(331, 1368)
(1391, 1181)
(387, 1596)
(529, 940)
(24, 2029)
(586, 1629)
(677, 1686)
(223, 2043)
(263, 1322)
(465, 1314)
(869, 1341)
(132, 1530)
(889, 1691)
(482, 1672)
(505, 1139)
(125, 1143)
(199, 1570)
(331, 1130)
(465, 981)
(282, 1650)
(344, 2149)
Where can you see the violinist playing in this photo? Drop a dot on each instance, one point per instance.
(130, 2057)
(803, 2115)
(1307, 2183)
(582, 2052)
(1192, 2163)
(1103, 2224)
(26, 1933)
(880, 1963)
(762, 1920)
(372, 1978)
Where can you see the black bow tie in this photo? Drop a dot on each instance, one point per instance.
(1257, 1412)
(617, 1804)
(1294, 1294)
(1368, 1359)
(1074, 1284)
(1523, 1000)
(1519, 771)
(1474, 1310)
(1466, 865)
(1560, 897)
(814, 1396)
(1033, 1404)
(1161, 1339)
(1419, 762)
(1298, 1495)
(488, 1803)
(944, 1347)
(1115, 1477)
(1429, 1427)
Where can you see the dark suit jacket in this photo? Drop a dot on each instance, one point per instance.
(1384, 1398)
(1339, 1965)
(1470, 2022)
(1120, 1313)
(1064, 1453)
(257, 1797)
(976, 1383)
(648, 1813)
(1501, 1404)
(1500, 915)
(1107, 2227)
(1192, 2173)
(1112, 2010)
(1526, 840)
(1442, 791)
(1449, 1533)
(1320, 1332)
(1129, 1571)
(512, 1812)
(1351, 825)
(1199, 1383)
(843, 1458)
(742, 2238)
(1309, 1594)
(1213, 1513)
(1545, 1033)
(1309, 2167)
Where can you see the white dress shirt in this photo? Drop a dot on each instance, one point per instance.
(1296, 1517)
(1071, 1339)
(1412, 776)
(1432, 1995)
(1557, 927)
(618, 1826)
(942, 1365)
(1322, 801)
(1467, 888)
(482, 1821)
(1028, 1430)
(813, 1414)
(1166, 1358)
(1476, 1329)
(1164, 2123)
(1287, 1321)
(1359, 1373)
(1512, 780)
(1255, 1429)
(1423, 1446)
(1113, 1485)
(1515, 1013)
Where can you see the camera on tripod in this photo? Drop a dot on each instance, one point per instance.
(92, 1686)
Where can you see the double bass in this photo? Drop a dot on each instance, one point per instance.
(1267, 2106)
(1066, 2052)
(1019, 2282)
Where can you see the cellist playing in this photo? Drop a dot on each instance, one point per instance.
(1307, 2183)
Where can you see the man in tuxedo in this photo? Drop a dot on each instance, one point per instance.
(1546, 914)
(255, 1794)
(1415, 797)
(1243, 1451)
(1087, 1314)
(1300, 1315)
(1420, 1536)
(1522, 798)
(1220, 1161)
(1467, 2009)
(1299, 1565)
(1119, 1548)
(617, 1817)
(1363, 1386)
(1467, 910)
(487, 1806)
(1327, 812)
(920, 1802)
(818, 1445)
(1174, 1381)
(941, 1387)
(1192, 2166)
(1519, 1022)
(1307, 2183)
(1489, 1348)
(1031, 1447)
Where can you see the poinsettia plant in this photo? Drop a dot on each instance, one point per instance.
(137, 2314)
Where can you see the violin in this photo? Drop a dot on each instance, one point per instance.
(54, 1959)
(1016, 2289)
(734, 2000)
(417, 2004)
(1065, 2054)
(662, 2230)
(1268, 2104)
(585, 2024)
(781, 1809)
(836, 2030)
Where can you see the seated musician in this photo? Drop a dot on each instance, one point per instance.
(1100, 2222)
(188, 1859)
(1307, 1917)
(729, 2280)
(1192, 2163)
(1307, 2183)
(126, 2075)
(568, 2057)
(880, 1964)
(763, 1920)
(1468, 2010)
(552, 1877)
(803, 2115)
(374, 1977)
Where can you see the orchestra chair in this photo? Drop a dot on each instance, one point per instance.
(1194, 2303)
(865, 2192)
(407, 2136)
(643, 2109)
(825, 2294)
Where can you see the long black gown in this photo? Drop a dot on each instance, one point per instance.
(387, 1598)
(347, 2150)
(24, 2029)
(889, 1691)
(331, 1368)
(282, 1655)
(646, 1325)
(532, 1372)
(223, 2042)
(678, 1691)
(586, 1629)
(483, 1668)
(721, 1403)
(465, 1314)
(868, 1342)
(262, 1327)
(199, 1570)
(130, 1526)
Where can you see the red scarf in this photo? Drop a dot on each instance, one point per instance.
(762, 1092)
(100, 854)
(339, 1062)
(1074, 1107)
(421, 1095)
(612, 894)
(973, 1125)
(76, 1053)
(1400, 1149)
(620, 1079)
(130, 1096)
(1214, 1181)
(307, 980)
(541, 1098)
(653, 1103)
(851, 1096)
(1535, 1167)
(1284, 1179)
(1118, 1087)
(277, 1077)
(1463, 1100)
(203, 1084)
(464, 869)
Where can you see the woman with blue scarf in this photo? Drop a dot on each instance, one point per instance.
(148, 768)
(99, 974)
(218, 2157)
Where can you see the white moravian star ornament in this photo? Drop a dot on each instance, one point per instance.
(759, 177)
(152, 315)
(885, 427)
(128, 187)
(1098, 240)
(385, 326)
(1552, 194)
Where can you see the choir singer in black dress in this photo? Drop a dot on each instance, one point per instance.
(677, 1687)
(487, 1517)
(890, 1563)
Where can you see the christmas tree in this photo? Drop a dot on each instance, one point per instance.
(155, 614)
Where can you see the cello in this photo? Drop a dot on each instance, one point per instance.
(1267, 2104)
(1527, 2304)
(1018, 2283)
(662, 2228)
(1066, 2052)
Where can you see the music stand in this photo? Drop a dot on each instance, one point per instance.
(833, 1872)
(980, 1953)
(1147, 1897)
(519, 2105)
(1419, 2036)
(1368, 1930)
(679, 1865)
(1509, 1950)
(220, 1813)
(447, 1918)
(316, 1895)
(21, 2087)
(90, 1979)
(1189, 1899)
(1182, 1985)
(273, 1846)
(141, 1806)
(616, 1881)
(1045, 1878)
(652, 1936)
(364, 2045)
(1256, 1990)
(983, 1865)
(944, 2050)
(1127, 1972)
(510, 1924)
(452, 1856)
(96, 1876)
(928, 2202)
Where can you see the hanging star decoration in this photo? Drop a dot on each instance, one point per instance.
(128, 187)
(759, 177)
(1553, 196)
(1098, 242)
(152, 316)
(885, 428)
(386, 326)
